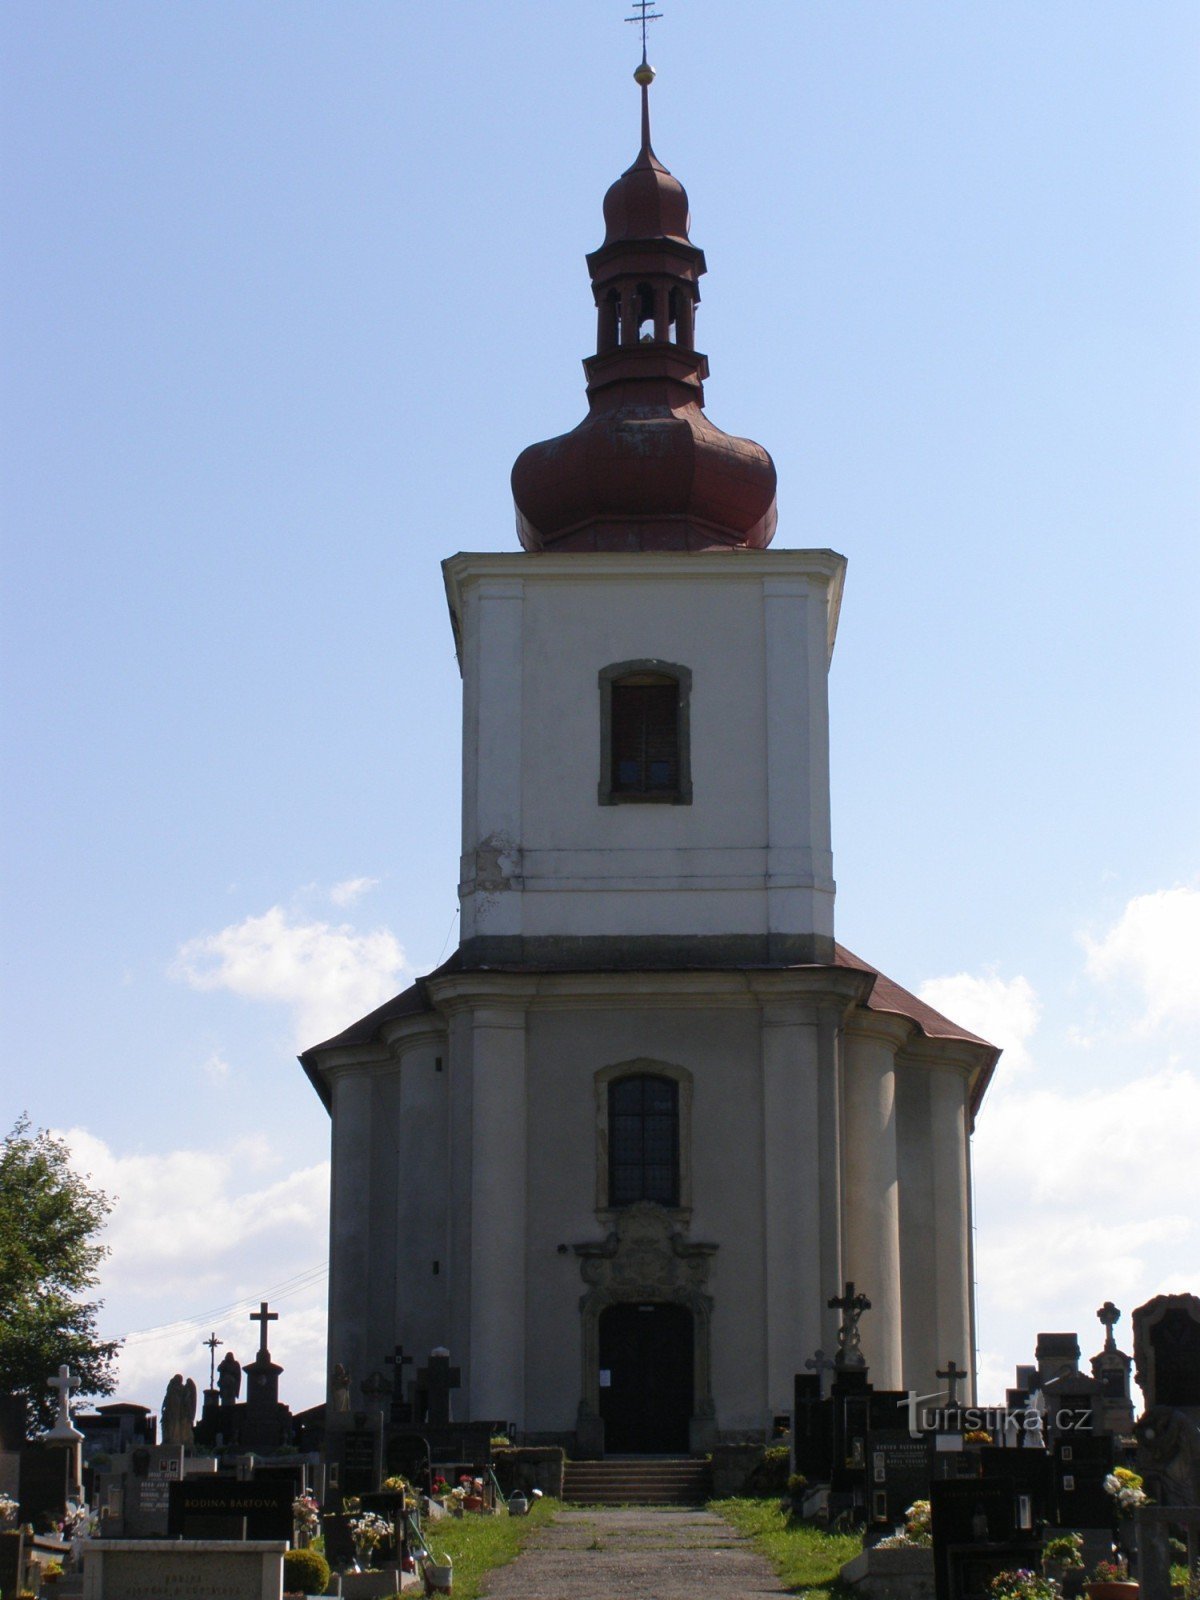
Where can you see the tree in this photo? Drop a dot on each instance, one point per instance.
(49, 1219)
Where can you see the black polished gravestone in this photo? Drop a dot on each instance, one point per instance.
(45, 1483)
(145, 1506)
(812, 1430)
(357, 1472)
(898, 1473)
(1080, 1467)
(976, 1535)
(409, 1456)
(223, 1508)
(1032, 1475)
(12, 1561)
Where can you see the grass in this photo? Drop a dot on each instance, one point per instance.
(807, 1559)
(478, 1545)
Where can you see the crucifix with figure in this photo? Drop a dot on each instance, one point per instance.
(852, 1306)
(262, 1316)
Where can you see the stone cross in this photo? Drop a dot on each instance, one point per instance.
(820, 1363)
(437, 1380)
(65, 1383)
(262, 1316)
(953, 1375)
(1109, 1316)
(212, 1344)
(851, 1306)
(375, 1387)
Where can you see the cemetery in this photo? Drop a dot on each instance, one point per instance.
(1060, 1491)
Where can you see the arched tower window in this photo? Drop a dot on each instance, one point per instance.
(644, 733)
(643, 1140)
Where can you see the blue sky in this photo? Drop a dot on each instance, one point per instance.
(287, 288)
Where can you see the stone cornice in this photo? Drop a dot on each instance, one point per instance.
(824, 567)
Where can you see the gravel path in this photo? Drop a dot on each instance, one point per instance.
(635, 1553)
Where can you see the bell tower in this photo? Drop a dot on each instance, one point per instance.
(645, 774)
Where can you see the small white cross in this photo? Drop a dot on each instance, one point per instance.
(65, 1384)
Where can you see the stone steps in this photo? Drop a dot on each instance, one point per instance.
(678, 1481)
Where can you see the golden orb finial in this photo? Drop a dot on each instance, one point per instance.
(644, 74)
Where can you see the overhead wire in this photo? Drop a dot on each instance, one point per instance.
(284, 1290)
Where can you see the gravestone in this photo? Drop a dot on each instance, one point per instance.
(898, 1472)
(357, 1474)
(146, 1505)
(46, 1482)
(435, 1384)
(12, 1561)
(976, 1536)
(222, 1508)
(147, 1569)
(1031, 1473)
(1080, 1468)
(812, 1429)
(1166, 1344)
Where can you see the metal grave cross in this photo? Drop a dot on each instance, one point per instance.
(212, 1344)
(262, 1316)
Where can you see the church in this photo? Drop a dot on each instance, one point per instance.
(617, 1153)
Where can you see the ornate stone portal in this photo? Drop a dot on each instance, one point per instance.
(646, 1257)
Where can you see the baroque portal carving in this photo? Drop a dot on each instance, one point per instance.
(647, 1256)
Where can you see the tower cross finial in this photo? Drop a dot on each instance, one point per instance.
(645, 16)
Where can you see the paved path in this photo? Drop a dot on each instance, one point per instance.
(635, 1553)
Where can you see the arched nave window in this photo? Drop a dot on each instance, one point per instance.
(644, 1114)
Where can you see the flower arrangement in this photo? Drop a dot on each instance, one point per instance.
(1111, 1571)
(977, 1436)
(306, 1514)
(918, 1530)
(76, 1523)
(1022, 1584)
(368, 1529)
(8, 1510)
(440, 1486)
(918, 1523)
(1126, 1489)
(1064, 1551)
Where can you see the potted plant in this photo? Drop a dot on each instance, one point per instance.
(1022, 1584)
(1062, 1563)
(1110, 1581)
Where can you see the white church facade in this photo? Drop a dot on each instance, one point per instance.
(618, 1153)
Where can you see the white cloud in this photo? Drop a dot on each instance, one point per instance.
(328, 975)
(1082, 1197)
(1003, 1011)
(196, 1238)
(1155, 946)
(346, 892)
(216, 1069)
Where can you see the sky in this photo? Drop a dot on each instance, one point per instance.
(286, 289)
